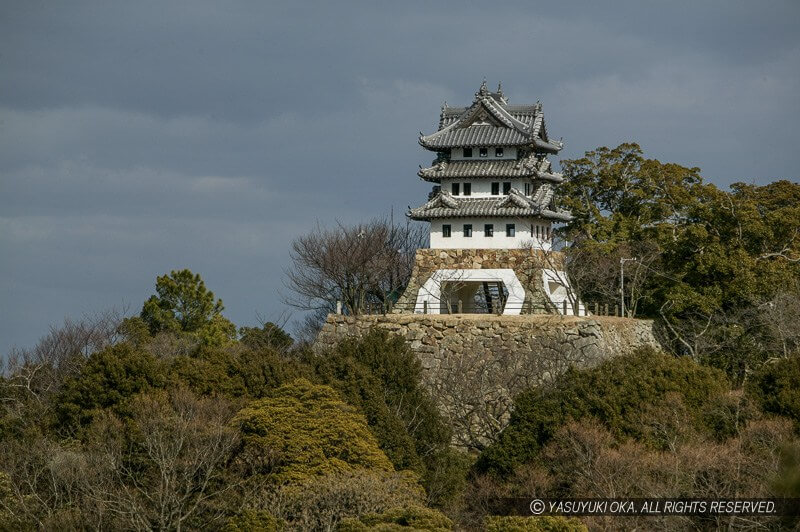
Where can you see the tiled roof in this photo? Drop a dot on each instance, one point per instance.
(515, 204)
(488, 168)
(476, 136)
(490, 121)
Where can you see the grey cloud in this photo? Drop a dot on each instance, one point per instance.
(137, 137)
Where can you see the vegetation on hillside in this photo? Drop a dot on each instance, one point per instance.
(176, 419)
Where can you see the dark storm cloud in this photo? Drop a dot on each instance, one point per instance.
(137, 137)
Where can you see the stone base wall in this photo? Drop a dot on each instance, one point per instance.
(475, 364)
(526, 263)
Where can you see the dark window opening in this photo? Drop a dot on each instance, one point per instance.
(488, 230)
(467, 189)
(467, 152)
(495, 189)
(510, 231)
(446, 230)
(455, 188)
(484, 152)
(527, 189)
(498, 152)
(506, 187)
(467, 230)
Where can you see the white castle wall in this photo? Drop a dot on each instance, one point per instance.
(523, 237)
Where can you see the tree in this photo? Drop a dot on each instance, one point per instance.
(399, 518)
(361, 265)
(306, 431)
(108, 380)
(168, 471)
(711, 261)
(776, 387)
(184, 304)
(381, 376)
(268, 336)
(616, 393)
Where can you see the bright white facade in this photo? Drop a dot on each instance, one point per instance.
(494, 188)
(528, 233)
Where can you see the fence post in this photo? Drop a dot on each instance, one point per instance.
(338, 307)
(595, 308)
(605, 309)
(616, 310)
(564, 305)
(460, 307)
(425, 307)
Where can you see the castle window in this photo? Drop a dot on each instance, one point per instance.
(527, 189)
(498, 152)
(446, 231)
(456, 187)
(488, 230)
(467, 152)
(506, 188)
(510, 231)
(495, 189)
(468, 189)
(484, 152)
(467, 230)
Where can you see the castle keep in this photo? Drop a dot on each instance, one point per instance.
(488, 309)
(491, 212)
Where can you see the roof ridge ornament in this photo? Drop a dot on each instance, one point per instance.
(483, 91)
(500, 94)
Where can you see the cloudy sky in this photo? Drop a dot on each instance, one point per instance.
(140, 137)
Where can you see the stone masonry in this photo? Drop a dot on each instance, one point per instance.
(474, 364)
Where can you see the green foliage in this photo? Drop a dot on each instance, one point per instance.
(776, 387)
(322, 504)
(184, 304)
(619, 393)
(233, 371)
(725, 415)
(709, 258)
(308, 432)
(249, 520)
(614, 194)
(400, 518)
(269, 336)
(382, 377)
(787, 483)
(134, 330)
(9, 519)
(533, 524)
(107, 381)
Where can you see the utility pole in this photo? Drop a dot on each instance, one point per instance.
(622, 283)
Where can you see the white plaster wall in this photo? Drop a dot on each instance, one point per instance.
(482, 187)
(457, 239)
(556, 286)
(457, 154)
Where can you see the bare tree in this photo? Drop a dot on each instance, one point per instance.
(37, 373)
(590, 272)
(164, 469)
(362, 266)
(781, 317)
